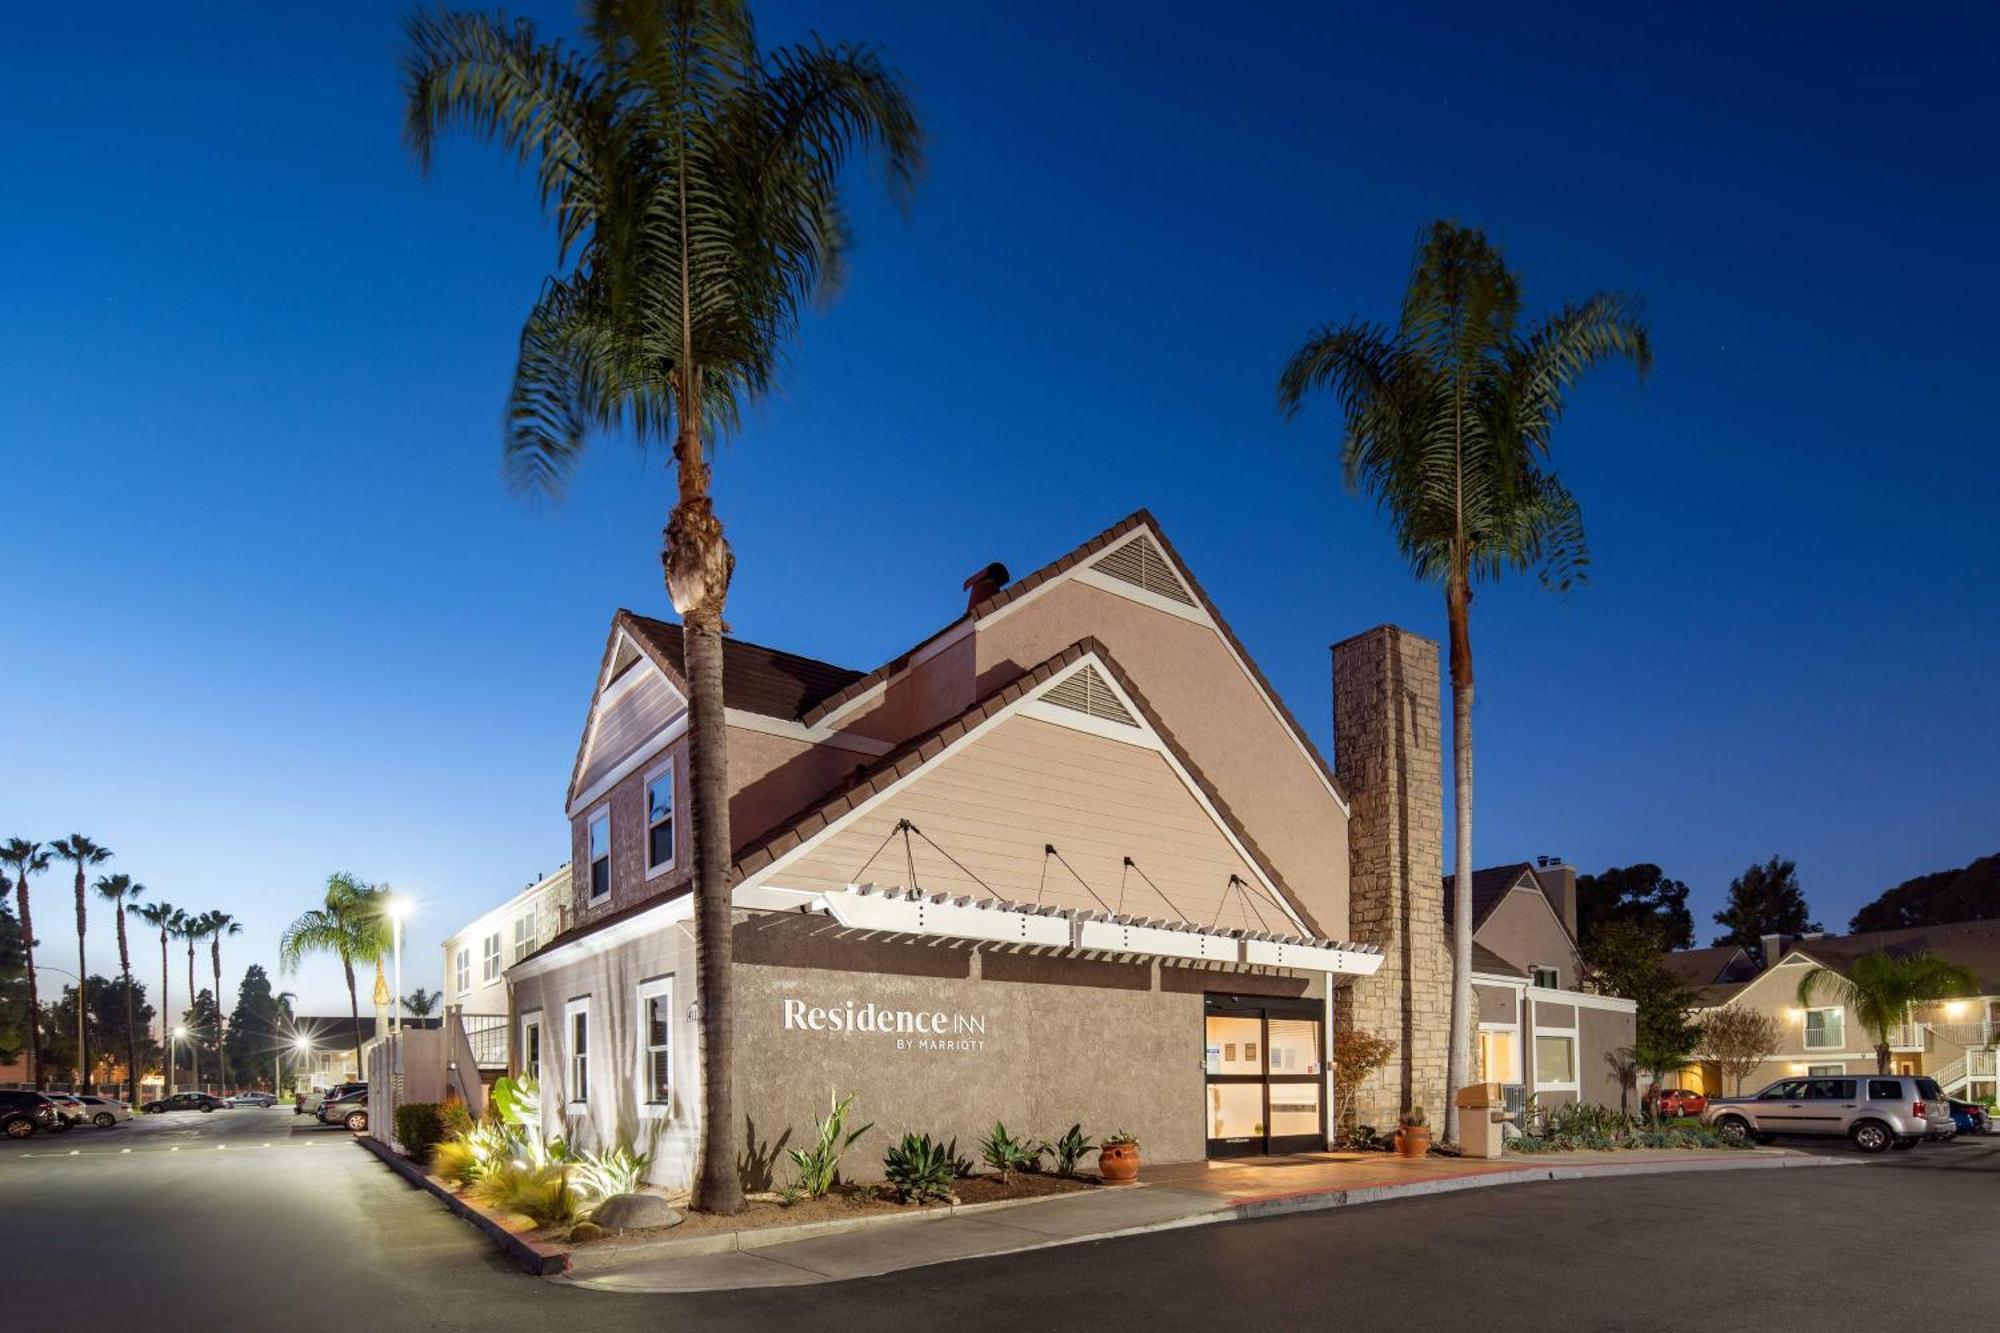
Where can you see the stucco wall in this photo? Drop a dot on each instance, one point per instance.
(1599, 1031)
(1523, 930)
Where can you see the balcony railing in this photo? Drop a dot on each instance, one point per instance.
(1910, 1037)
(1974, 1033)
(487, 1035)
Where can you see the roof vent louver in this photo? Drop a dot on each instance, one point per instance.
(1139, 563)
(1086, 692)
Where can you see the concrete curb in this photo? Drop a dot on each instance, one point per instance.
(531, 1257)
(1241, 1209)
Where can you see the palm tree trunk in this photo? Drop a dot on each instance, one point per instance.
(82, 989)
(35, 1072)
(1882, 1057)
(131, 1036)
(1458, 599)
(354, 1012)
(166, 1013)
(194, 1031)
(221, 1026)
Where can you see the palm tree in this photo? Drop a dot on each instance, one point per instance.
(1884, 990)
(82, 853)
(29, 858)
(694, 181)
(190, 927)
(115, 889)
(422, 1003)
(1623, 1065)
(351, 925)
(161, 917)
(1448, 418)
(216, 925)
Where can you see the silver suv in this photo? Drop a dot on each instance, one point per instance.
(1876, 1111)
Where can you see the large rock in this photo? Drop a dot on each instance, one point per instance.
(630, 1212)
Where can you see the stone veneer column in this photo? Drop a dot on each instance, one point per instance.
(1388, 753)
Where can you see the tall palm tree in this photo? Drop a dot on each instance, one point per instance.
(350, 924)
(191, 927)
(82, 853)
(695, 187)
(1884, 990)
(161, 917)
(215, 926)
(1448, 418)
(29, 858)
(116, 889)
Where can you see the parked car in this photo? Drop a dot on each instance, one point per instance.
(185, 1101)
(1876, 1111)
(104, 1112)
(349, 1109)
(69, 1107)
(260, 1099)
(310, 1103)
(1680, 1101)
(1971, 1118)
(23, 1111)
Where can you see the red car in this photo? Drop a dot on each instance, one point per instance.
(1679, 1101)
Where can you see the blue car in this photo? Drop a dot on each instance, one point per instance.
(1971, 1117)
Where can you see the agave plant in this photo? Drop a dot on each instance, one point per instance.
(919, 1169)
(596, 1176)
(819, 1165)
(1007, 1154)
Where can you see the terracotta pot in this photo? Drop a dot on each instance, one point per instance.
(1413, 1140)
(1118, 1163)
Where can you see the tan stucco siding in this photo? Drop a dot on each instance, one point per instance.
(1027, 784)
(1600, 1031)
(1522, 930)
(1496, 1004)
(1215, 710)
(772, 778)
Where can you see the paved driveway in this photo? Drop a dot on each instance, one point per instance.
(257, 1220)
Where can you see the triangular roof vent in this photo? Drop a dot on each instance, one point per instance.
(1086, 692)
(1139, 563)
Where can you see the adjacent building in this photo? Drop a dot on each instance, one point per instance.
(477, 958)
(1068, 858)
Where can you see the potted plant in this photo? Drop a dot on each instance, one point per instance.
(1413, 1137)
(1118, 1158)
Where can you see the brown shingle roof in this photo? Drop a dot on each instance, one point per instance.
(1704, 967)
(1485, 960)
(1973, 945)
(1489, 887)
(755, 679)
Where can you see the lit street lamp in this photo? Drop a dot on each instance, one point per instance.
(399, 911)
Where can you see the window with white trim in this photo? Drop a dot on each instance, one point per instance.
(489, 959)
(1555, 1060)
(600, 854)
(576, 1024)
(1545, 977)
(1826, 1029)
(656, 1045)
(524, 933)
(464, 971)
(531, 1045)
(660, 820)
(1826, 1069)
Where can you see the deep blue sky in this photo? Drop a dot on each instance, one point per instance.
(270, 613)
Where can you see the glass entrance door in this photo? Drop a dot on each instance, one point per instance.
(1265, 1076)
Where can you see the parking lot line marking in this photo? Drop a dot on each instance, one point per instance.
(124, 1150)
(76, 1152)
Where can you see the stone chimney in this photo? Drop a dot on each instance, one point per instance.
(1558, 881)
(1388, 754)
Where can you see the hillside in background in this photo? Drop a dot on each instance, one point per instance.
(1969, 894)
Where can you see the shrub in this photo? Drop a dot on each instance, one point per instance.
(454, 1160)
(539, 1193)
(1414, 1119)
(1119, 1138)
(819, 1165)
(457, 1117)
(1581, 1126)
(919, 1169)
(596, 1176)
(1007, 1154)
(961, 1165)
(419, 1128)
(517, 1105)
(1069, 1150)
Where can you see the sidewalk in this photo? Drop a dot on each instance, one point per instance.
(1180, 1195)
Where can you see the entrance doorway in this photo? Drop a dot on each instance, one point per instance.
(1266, 1075)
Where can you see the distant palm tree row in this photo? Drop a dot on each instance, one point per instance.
(26, 858)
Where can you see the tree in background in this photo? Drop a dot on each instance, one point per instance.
(1357, 1055)
(162, 917)
(82, 853)
(1736, 1040)
(114, 1006)
(1765, 900)
(258, 1029)
(1941, 898)
(115, 889)
(214, 927)
(1448, 424)
(1641, 895)
(1623, 961)
(191, 928)
(15, 1024)
(422, 1003)
(350, 923)
(695, 184)
(28, 858)
(1884, 990)
(1623, 1066)
(203, 1020)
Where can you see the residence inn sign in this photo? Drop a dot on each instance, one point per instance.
(927, 1030)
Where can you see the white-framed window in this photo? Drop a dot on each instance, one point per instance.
(531, 1045)
(489, 959)
(1548, 978)
(1826, 1029)
(1826, 1069)
(1499, 1053)
(1555, 1060)
(464, 970)
(656, 1045)
(660, 847)
(576, 1046)
(600, 854)
(524, 933)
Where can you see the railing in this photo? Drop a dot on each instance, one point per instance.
(1974, 1033)
(486, 1034)
(1910, 1037)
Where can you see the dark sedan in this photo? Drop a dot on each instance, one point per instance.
(185, 1101)
(1971, 1118)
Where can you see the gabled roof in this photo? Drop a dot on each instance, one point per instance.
(1973, 945)
(1706, 967)
(755, 679)
(1490, 888)
(1484, 960)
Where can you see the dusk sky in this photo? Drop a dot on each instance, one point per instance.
(270, 612)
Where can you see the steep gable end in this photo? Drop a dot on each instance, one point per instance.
(1139, 563)
(637, 706)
